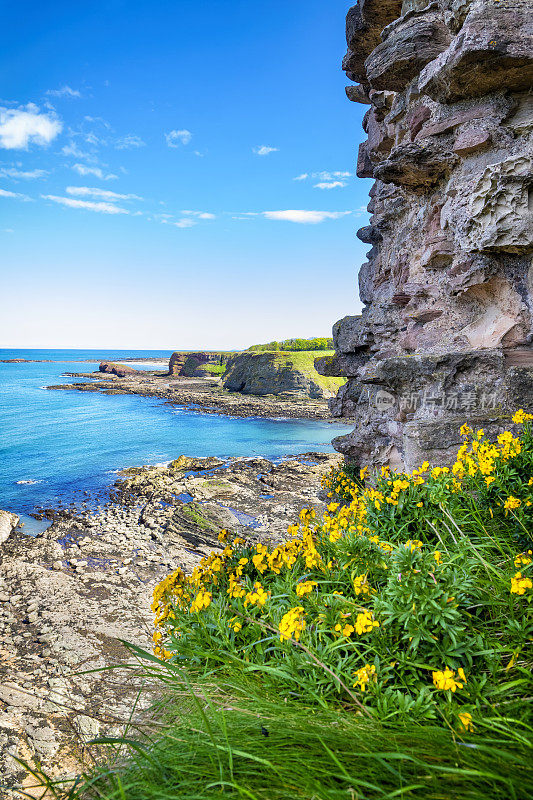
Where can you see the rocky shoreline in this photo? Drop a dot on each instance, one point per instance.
(70, 595)
(204, 395)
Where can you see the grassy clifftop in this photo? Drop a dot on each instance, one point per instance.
(277, 372)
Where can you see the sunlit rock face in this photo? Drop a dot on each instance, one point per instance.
(446, 333)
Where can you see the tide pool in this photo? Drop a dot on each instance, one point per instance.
(57, 445)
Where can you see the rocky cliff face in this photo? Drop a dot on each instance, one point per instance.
(190, 364)
(277, 373)
(448, 286)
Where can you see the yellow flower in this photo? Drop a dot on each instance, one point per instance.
(446, 679)
(345, 629)
(519, 584)
(201, 601)
(466, 722)
(520, 416)
(305, 587)
(437, 556)
(364, 676)
(523, 559)
(489, 479)
(292, 624)
(365, 623)
(512, 502)
(258, 597)
(235, 624)
(361, 585)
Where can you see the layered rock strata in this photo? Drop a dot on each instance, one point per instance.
(190, 364)
(446, 331)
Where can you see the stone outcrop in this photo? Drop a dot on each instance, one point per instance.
(8, 523)
(447, 329)
(277, 373)
(120, 370)
(190, 365)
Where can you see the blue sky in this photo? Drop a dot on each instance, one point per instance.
(176, 174)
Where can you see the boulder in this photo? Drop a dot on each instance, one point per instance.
(120, 370)
(8, 522)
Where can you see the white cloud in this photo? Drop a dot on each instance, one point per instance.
(186, 222)
(9, 230)
(82, 169)
(176, 138)
(20, 127)
(129, 142)
(103, 194)
(18, 174)
(304, 217)
(330, 184)
(336, 178)
(64, 91)
(14, 195)
(73, 150)
(264, 150)
(102, 208)
(200, 214)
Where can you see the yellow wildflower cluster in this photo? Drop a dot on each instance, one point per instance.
(361, 585)
(201, 601)
(478, 455)
(257, 597)
(364, 676)
(519, 584)
(305, 587)
(523, 559)
(292, 624)
(447, 679)
(365, 622)
(360, 569)
(520, 417)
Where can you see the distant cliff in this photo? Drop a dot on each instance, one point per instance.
(263, 373)
(196, 365)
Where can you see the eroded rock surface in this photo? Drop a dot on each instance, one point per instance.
(447, 329)
(68, 596)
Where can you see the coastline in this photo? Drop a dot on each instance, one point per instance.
(204, 395)
(69, 595)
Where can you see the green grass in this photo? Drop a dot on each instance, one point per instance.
(239, 741)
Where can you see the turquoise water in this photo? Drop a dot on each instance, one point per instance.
(56, 445)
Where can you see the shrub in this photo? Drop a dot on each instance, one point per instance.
(410, 597)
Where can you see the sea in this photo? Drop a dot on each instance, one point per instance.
(64, 448)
